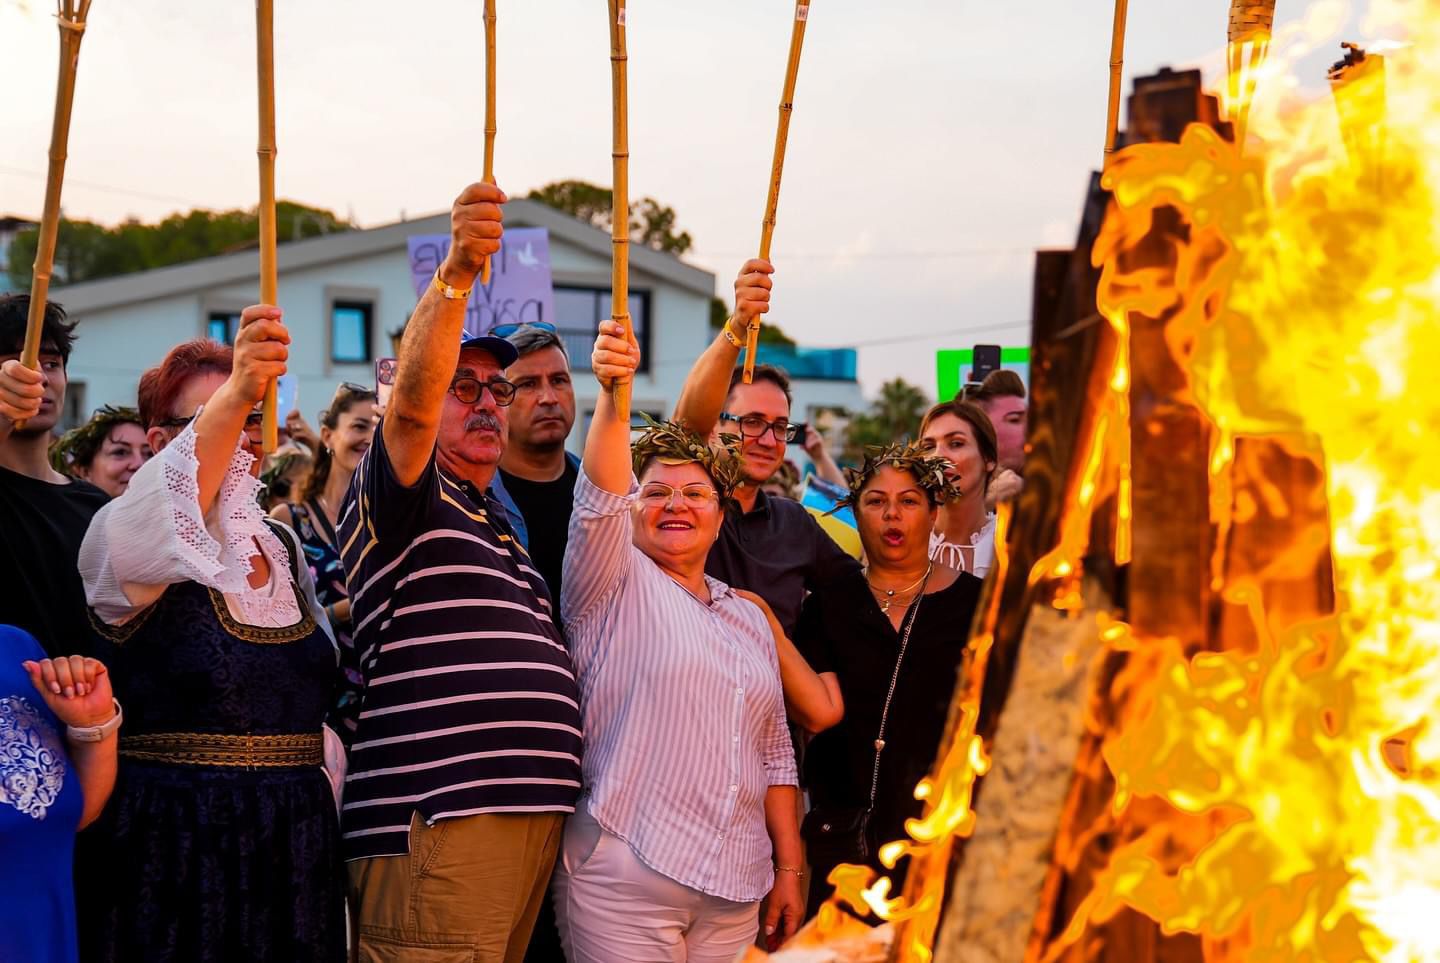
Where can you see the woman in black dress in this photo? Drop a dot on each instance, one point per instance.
(889, 639)
(221, 841)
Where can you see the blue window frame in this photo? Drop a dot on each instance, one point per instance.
(350, 324)
(579, 311)
(222, 325)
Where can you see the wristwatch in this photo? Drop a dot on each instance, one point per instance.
(97, 733)
(450, 293)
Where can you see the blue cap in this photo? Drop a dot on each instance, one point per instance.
(505, 352)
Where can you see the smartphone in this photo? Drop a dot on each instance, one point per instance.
(986, 360)
(384, 380)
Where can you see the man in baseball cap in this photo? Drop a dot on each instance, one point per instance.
(470, 732)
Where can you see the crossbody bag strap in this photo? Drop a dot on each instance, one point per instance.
(890, 695)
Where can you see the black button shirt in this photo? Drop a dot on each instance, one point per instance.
(778, 551)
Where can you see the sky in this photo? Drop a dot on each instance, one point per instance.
(933, 147)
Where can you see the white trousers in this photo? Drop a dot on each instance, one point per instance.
(612, 908)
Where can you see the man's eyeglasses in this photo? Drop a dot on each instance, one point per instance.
(505, 330)
(753, 426)
(467, 390)
(659, 494)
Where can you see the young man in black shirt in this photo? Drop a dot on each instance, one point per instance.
(769, 546)
(536, 480)
(536, 484)
(43, 514)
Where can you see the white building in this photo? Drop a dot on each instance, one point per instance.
(343, 293)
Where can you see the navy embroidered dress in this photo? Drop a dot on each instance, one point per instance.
(221, 840)
(196, 862)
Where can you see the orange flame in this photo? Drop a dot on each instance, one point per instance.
(1305, 300)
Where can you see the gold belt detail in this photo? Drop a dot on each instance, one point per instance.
(216, 749)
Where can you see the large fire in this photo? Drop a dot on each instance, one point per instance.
(1280, 792)
(1305, 301)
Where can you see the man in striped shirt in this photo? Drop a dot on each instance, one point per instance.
(467, 755)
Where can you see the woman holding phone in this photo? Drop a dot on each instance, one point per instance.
(347, 427)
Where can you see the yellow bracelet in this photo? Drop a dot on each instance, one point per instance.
(799, 873)
(730, 336)
(450, 293)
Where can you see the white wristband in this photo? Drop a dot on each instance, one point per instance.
(97, 733)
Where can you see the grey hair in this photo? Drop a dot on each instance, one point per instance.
(528, 339)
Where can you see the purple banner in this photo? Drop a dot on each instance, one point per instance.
(519, 290)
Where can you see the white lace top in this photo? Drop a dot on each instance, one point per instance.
(154, 535)
(974, 558)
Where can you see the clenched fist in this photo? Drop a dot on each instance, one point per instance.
(261, 350)
(475, 229)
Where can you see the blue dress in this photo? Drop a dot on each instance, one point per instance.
(201, 856)
(40, 807)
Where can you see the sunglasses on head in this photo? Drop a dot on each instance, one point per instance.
(505, 330)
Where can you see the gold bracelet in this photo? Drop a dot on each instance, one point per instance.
(730, 336)
(799, 874)
(450, 293)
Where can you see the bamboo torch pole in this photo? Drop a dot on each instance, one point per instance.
(620, 209)
(269, 281)
(1117, 67)
(1251, 24)
(777, 166)
(489, 177)
(71, 16)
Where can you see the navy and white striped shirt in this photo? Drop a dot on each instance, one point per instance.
(469, 701)
(684, 719)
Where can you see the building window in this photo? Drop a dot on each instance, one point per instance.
(579, 311)
(222, 325)
(75, 413)
(350, 331)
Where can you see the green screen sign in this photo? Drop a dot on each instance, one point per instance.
(952, 367)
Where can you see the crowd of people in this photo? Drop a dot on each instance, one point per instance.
(432, 687)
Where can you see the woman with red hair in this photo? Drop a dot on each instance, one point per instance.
(221, 836)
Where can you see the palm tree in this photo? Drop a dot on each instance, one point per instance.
(894, 416)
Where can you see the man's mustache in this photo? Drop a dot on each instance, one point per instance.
(483, 421)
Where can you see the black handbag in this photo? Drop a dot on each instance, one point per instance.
(843, 834)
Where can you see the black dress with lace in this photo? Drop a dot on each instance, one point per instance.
(201, 857)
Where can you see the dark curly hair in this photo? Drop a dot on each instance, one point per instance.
(57, 332)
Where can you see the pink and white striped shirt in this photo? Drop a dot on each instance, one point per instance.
(682, 710)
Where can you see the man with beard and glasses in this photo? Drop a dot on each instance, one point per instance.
(466, 758)
(536, 480)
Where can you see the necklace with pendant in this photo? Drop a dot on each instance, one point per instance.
(887, 597)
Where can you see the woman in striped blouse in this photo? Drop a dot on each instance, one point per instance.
(687, 817)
